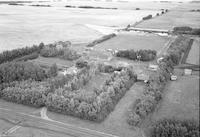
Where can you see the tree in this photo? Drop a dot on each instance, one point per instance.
(53, 71)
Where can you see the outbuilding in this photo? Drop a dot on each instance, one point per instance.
(187, 71)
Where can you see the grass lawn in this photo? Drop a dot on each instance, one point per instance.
(193, 57)
(133, 40)
(181, 99)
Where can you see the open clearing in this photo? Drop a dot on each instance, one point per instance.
(193, 57)
(177, 17)
(134, 40)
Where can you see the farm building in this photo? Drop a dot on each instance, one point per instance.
(187, 71)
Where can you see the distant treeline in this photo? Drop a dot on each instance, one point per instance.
(39, 5)
(89, 7)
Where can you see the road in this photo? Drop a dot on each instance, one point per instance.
(44, 122)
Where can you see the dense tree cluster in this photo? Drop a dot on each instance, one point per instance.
(17, 71)
(175, 128)
(95, 106)
(27, 92)
(17, 53)
(153, 92)
(66, 53)
(28, 57)
(143, 55)
(102, 39)
(186, 30)
(108, 68)
(178, 47)
(147, 17)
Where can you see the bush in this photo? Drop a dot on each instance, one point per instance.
(175, 128)
(81, 63)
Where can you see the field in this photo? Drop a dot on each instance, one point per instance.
(181, 99)
(193, 57)
(176, 17)
(134, 40)
(26, 25)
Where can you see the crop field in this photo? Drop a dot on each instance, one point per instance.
(26, 25)
(176, 17)
(132, 5)
(136, 41)
(193, 57)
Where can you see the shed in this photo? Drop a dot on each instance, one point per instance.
(188, 71)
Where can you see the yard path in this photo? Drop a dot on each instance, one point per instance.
(117, 119)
